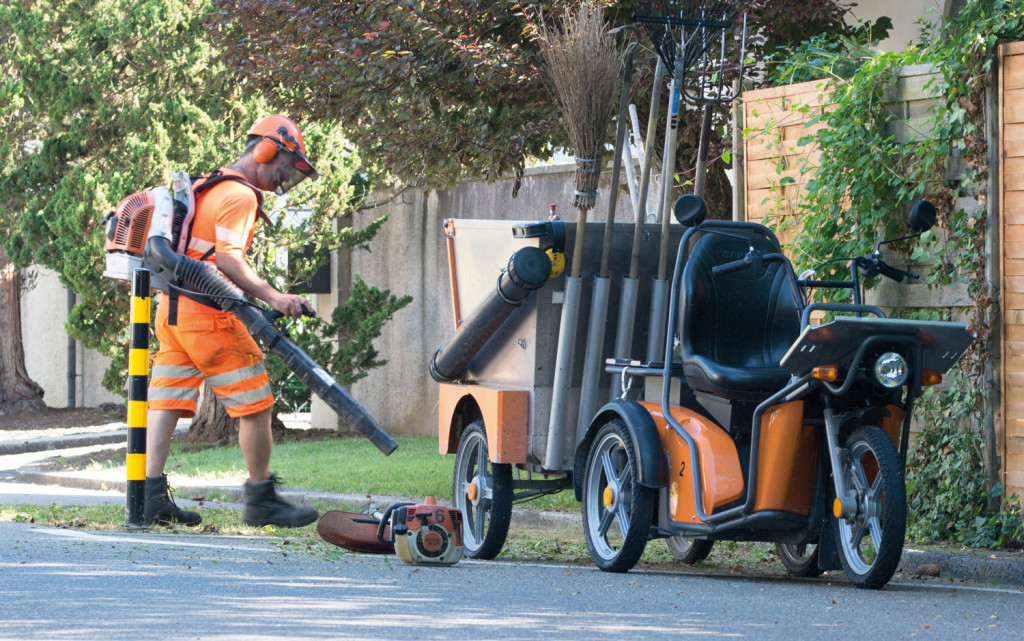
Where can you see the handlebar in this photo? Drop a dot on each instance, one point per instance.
(753, 259)
(896, 274)
(870, 265)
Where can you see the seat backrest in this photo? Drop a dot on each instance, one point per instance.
(743, 318)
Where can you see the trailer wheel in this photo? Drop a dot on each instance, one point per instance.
(483, 492)
(617, 510)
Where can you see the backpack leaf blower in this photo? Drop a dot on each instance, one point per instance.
(144, 230)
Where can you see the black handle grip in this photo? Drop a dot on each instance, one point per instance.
(272, 314)
(728, 268)
(896, 274)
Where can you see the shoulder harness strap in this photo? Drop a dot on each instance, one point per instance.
(206, 182)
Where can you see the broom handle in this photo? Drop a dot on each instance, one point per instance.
(668, 165)
(620, 136)
(645, 176)
(577, 250)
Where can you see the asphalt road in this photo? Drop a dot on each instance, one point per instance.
(67, 584)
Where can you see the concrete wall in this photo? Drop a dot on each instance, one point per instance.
(43, 314)
(904, 14)
(409, 257)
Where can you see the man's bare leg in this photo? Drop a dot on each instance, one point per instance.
(263, 506)
(257, 443)
(160, 426)
(160, 508)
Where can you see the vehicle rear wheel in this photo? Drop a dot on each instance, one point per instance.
(482, 491)
(871, 542)
(687, 550)
(800, 560)
(617, 510)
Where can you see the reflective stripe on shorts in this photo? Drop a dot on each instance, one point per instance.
(237, 375)
(174, 394)
(175, 371)
(241, 386)
(211, 345)
(241, 398)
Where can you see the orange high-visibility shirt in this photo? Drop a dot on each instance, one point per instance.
(225, 221)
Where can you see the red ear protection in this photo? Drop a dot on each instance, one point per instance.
(264, 151)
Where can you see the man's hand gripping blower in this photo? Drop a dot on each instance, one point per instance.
(143, 231)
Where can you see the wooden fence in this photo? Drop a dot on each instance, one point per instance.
(1011, 218)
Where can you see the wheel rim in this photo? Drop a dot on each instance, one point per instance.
(798, 553)
(475, 491)
(610, 488)
(861, 536)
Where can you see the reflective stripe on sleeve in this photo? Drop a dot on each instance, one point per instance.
(229, 236)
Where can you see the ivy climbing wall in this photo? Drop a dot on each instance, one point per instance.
(1011, 178)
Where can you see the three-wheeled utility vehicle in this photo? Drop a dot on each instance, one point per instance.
(753, 424)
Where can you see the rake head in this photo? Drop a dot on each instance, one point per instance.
(696, 30)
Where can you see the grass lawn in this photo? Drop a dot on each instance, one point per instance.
(341, 465)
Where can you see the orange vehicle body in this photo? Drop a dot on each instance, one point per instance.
(786, 464)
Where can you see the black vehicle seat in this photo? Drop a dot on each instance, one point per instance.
(736, 327)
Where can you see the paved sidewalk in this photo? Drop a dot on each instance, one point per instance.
(976, 565)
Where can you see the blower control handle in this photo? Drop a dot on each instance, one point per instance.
(384, 520)
(272, 314)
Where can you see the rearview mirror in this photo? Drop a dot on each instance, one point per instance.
(922, 216)
(690, 210)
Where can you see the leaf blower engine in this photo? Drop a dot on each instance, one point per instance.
(144, 231)
(425, 534)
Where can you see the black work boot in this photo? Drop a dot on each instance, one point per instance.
(264, 507)
(160, 507)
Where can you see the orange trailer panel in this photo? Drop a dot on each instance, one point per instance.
(506, 416)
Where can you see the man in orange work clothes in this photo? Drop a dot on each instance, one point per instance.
(205, 342)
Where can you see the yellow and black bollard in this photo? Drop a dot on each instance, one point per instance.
(138, 390)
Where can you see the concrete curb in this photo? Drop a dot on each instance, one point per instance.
(969, 567)
(65, 442)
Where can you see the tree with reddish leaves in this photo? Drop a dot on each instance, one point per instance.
(434, 91)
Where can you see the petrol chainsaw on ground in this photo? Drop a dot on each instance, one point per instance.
(144, 231)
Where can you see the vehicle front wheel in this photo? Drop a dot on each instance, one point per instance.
(482, 491)
(871, 542)
(617, 510)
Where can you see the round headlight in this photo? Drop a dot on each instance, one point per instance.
(891, 370)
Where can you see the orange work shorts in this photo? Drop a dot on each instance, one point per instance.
(215, 346)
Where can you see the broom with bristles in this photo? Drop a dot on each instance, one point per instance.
(583, 64)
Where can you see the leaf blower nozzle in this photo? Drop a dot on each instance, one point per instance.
(528, 269)
(200, 276)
